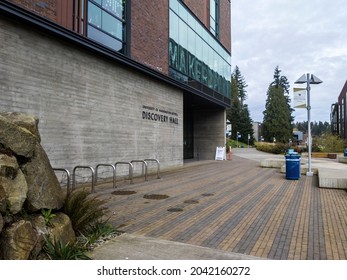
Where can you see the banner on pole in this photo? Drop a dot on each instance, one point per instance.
(299, 98)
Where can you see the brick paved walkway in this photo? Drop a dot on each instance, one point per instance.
(238, 207)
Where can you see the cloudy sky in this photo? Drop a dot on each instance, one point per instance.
(298, 36)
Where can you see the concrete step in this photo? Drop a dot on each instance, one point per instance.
(330, 174)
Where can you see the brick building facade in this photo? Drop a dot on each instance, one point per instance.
(115, 80)
(338, 116)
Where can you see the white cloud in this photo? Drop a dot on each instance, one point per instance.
(298, 36)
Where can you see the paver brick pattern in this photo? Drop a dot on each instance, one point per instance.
(236, 206)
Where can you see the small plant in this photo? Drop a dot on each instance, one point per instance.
(48, 216)
(97, 232)
(84, 210)
(57, 250)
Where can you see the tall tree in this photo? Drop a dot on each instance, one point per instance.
(238, 114)
(245, 125)
(277, 122)
(240, 84)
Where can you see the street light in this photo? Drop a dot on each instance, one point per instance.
(309, 80)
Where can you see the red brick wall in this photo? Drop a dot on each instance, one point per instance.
(225, 24)
(201, 9)
(150, 33)
(44, 8)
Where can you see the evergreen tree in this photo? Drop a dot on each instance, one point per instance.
(233, 114)
(245, 126)
(277, 122)
(238, 114)
(240, 84)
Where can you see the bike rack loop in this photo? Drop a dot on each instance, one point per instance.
(131, 168)
(68, 176)
(106, 164)
(74, 175)
(157, 161)
(144, 164)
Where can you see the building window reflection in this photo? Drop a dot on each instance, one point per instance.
(195, 56)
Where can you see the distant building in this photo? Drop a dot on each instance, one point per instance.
(257, 131)
(338, 117)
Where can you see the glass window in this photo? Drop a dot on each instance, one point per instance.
(113, 6)
(214, 17)
(105, 24)
(195, 53)
(111, 25)
(94, 15)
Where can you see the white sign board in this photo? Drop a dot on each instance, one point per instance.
(220, 153)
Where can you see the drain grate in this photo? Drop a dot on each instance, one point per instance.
(155, 196)
(175, 209)
(208, 194)
(191, 201)
(123, 192)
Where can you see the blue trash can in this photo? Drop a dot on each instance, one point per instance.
(293, 166)
(345, 152)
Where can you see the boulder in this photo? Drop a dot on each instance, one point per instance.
(26, 121)
(61, 229)
(2, 200)
(13, 184)
(38, 223)
(17, 241)
(16, 192)
(17, 139)
(1, 222)
(44, 190)
(8, 166)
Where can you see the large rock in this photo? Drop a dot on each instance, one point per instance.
(13, 182)
(8, 166)
(1, 222)
(44, 190)
(17, 139)
(61, 229)
(16, 192)
(26, 121)
(2, 200)
(18, 241)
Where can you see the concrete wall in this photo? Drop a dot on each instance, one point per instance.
(209, 132)
(90, 109)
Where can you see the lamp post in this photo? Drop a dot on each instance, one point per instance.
(309, 79)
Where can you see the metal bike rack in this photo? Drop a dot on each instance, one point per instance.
(131, 168)
(106, 164)
(157, 161)
(74, 176)
(144, 165)
(68, 176)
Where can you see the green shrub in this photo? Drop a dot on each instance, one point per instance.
(57, 250)
(84, 210)
(329, 143)
(277, 148)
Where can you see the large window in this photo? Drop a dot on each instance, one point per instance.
(106, 22)
(102, 21)
(195, 56)
(214, 17)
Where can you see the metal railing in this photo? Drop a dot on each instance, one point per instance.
(74, 176)
(131, 168)
(144, 166)
(106, 164)
(157, 161)
(68, 177)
